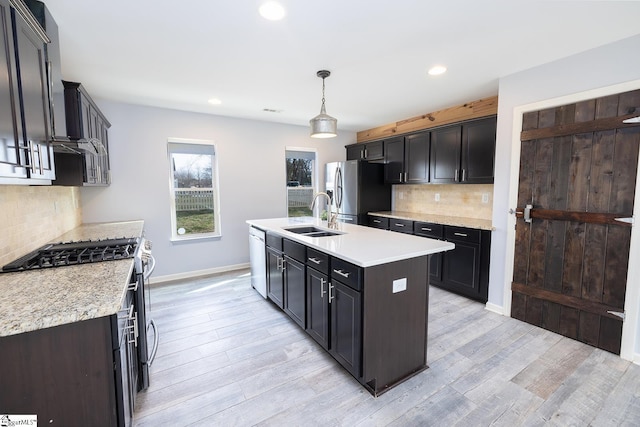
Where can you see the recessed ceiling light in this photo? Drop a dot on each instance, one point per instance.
(437, 70)
(272, 10)
(215, 101)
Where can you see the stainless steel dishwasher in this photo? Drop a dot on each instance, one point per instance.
(257, 257)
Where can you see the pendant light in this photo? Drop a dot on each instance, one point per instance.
(323, 125)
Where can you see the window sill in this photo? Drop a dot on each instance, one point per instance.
(195, 238)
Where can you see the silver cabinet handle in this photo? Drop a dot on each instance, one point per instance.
(331, 295)
(40, 159)
(322, 292)
(460, 234)
(464, 175)
(425, 229)
(365, 152)
(455, 175)
(399, 225)
(377, 221)
(284, 266)
(32, 153)
(315, 260)
(400, 176)
(342, 273)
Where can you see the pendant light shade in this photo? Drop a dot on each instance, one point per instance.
(323, 125)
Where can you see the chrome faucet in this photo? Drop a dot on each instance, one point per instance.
(332, 218)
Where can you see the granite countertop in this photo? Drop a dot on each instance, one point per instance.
(38, 299)
(458, 221)
(362, 246)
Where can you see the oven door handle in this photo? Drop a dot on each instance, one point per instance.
(151, 266)
(156, 335)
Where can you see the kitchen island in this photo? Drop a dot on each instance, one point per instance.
(361, 293)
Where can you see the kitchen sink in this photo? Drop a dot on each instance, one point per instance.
(312, 231)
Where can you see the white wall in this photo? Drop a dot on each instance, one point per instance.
(583, 76)
(251, 161)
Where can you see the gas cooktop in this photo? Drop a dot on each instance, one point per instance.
(72, 253)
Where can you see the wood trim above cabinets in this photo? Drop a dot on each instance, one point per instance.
(470, 110)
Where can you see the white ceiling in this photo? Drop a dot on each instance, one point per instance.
(179, 54)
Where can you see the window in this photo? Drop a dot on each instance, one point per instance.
(300, 181)
(195, 207)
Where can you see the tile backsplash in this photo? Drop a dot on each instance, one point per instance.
(34, 215)
(464, 200)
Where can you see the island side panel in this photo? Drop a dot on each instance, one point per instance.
(394, 323)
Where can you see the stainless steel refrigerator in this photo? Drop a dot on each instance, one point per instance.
(357, 187)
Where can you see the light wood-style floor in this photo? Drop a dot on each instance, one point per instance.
(227, 357)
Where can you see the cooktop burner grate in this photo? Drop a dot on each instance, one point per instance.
(72, 253)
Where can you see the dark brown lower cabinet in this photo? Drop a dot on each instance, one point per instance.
(465, 269)
(275, 276)
(346, 323)
(295, 290)
(318, 307)
(69, 375)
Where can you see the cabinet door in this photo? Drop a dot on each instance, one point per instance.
(394, 160)
(295, 300)
(275, 277)
(346, 322)
(355, 151)
(478, 151)
(12, 157)
(34, 98)
(374, 151)
(416, 151)
(461, 267)
(318, 307)
(445, 155)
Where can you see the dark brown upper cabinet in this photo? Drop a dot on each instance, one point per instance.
(464, 153)
(407, 159)
(369, 151)
(25, 140)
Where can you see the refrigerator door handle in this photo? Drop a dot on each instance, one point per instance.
(338, 183)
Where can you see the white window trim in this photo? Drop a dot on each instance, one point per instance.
(216, 193)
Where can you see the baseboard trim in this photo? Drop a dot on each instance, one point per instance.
(197, 273)
(494, 308)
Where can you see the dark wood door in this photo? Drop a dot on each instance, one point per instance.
(445, 155)
(318, 307)
(346, 322)
(578, 168)
(275, 276)
(416, 152)
(478, 151)
(295, 301)
(394, 160)
(354, 151)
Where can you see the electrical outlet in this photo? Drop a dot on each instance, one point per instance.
(399, 285)
(400, 195)
(437, 198)
(485, 197)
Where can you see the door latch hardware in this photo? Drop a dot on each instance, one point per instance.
(527, 213)
(616, 313)
(628, 220)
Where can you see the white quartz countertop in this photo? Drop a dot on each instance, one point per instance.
(362, 246)
(458, 221)
(38, 299)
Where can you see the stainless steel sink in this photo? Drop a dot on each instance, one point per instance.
(312, 231)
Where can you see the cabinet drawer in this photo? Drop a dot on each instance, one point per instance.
(379, 222)
(294, 250)
(318, 260)
(428, 229)
(346, 273)
(462, 234)
(274, 241)
(401, 225)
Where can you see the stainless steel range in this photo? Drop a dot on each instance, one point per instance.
(58, 255)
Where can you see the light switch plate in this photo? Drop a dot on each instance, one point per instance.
(437, 197)
(399, 285)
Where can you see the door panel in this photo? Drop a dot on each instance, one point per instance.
(570, 267)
